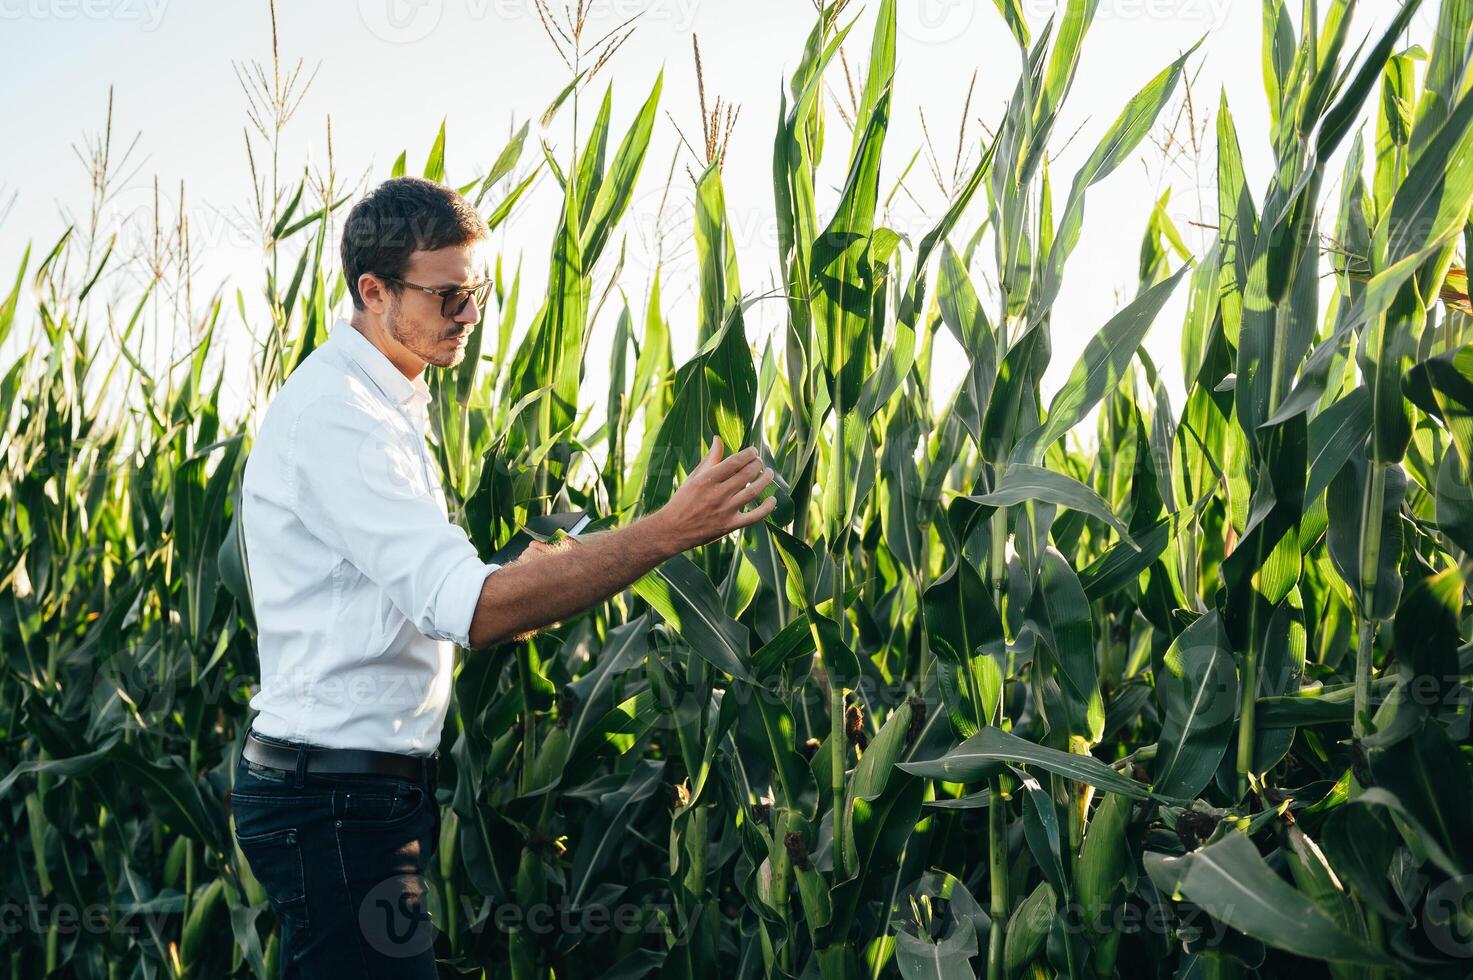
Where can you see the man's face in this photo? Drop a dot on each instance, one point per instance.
(412, 317)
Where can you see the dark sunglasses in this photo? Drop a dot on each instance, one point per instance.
(452, 298)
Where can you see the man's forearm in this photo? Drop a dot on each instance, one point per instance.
(526, 596)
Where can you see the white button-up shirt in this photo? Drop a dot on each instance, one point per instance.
(361, 584)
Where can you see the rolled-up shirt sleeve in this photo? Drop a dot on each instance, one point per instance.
(360, 485)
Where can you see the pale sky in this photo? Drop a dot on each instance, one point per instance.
(387, 71)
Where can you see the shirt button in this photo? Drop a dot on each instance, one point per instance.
(337, 823)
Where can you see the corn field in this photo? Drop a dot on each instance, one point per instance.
(1089, 685)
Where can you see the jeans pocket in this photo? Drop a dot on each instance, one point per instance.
(383, 807)
(275, 859)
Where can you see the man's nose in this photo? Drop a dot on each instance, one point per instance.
(471, 313)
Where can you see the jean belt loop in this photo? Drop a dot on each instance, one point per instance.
(301, 768)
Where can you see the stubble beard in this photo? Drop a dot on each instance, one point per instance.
(431, 354)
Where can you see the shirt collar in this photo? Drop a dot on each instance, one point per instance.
(389, 379)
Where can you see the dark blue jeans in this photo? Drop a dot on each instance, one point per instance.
(342, 859)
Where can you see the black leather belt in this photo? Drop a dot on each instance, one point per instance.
(320, 759)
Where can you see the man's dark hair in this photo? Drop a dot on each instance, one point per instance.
(401, 216)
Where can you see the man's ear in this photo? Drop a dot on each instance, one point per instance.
(371, 288)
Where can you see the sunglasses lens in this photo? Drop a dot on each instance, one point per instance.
(455, 303)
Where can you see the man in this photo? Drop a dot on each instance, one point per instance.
(363, 589)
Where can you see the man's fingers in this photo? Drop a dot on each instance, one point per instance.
(712, 456)
(732, 464)
(744, 474)
(746, 518)
(737, 464)
(754, 489)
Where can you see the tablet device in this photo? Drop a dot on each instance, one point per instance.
(538, 528)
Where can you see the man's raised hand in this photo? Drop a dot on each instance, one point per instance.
(709, 503)
(544, 589)
(539, 549)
